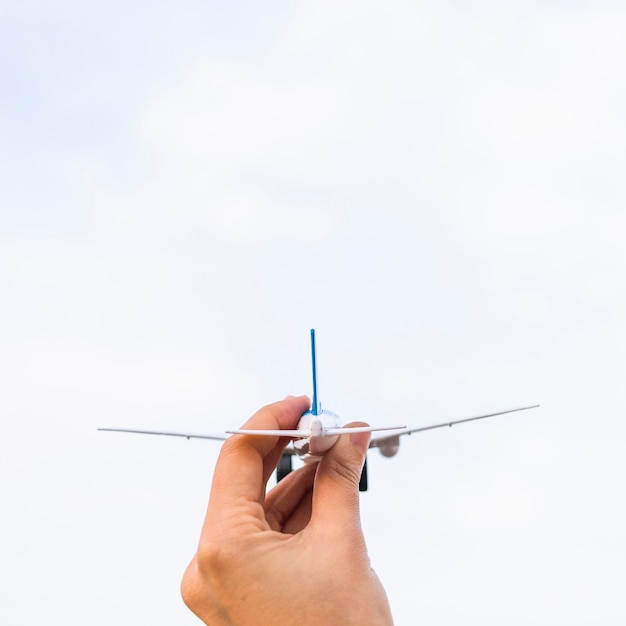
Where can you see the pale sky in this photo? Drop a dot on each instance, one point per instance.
(436, 187)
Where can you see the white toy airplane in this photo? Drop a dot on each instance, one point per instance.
(318, 429)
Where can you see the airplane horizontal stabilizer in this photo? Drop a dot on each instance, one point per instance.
(270, 433)
(326, 432)
(360, 429)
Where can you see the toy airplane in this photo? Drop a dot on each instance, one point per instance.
(318, 429)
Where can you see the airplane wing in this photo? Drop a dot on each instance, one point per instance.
(289, 451)
(407, 431)
(389, 432)
(167, 432)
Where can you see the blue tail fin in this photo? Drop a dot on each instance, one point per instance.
(316, 407)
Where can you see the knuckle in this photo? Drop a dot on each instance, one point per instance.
(211, 557)
(344, 472)
(204, 577)
(191, 588)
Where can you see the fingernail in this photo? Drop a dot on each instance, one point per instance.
(361, 441)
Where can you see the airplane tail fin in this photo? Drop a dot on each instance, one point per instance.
(316, 407)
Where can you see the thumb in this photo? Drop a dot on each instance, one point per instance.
(336, 489)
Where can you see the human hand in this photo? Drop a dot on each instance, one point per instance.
(295, 555)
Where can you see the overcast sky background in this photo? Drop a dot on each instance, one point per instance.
(437, 187)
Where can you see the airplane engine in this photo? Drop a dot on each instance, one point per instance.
(389, 447)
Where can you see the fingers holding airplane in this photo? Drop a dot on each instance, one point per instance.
(334, 482)
(246, 462)
(266, 558)
(336, 493)
(288, 504)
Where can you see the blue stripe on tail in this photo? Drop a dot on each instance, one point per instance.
(316, 407)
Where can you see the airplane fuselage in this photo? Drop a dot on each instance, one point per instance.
(312, 447)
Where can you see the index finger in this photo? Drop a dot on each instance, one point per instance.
(240, 472)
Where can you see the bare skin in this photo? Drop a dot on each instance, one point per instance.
(293, 556)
